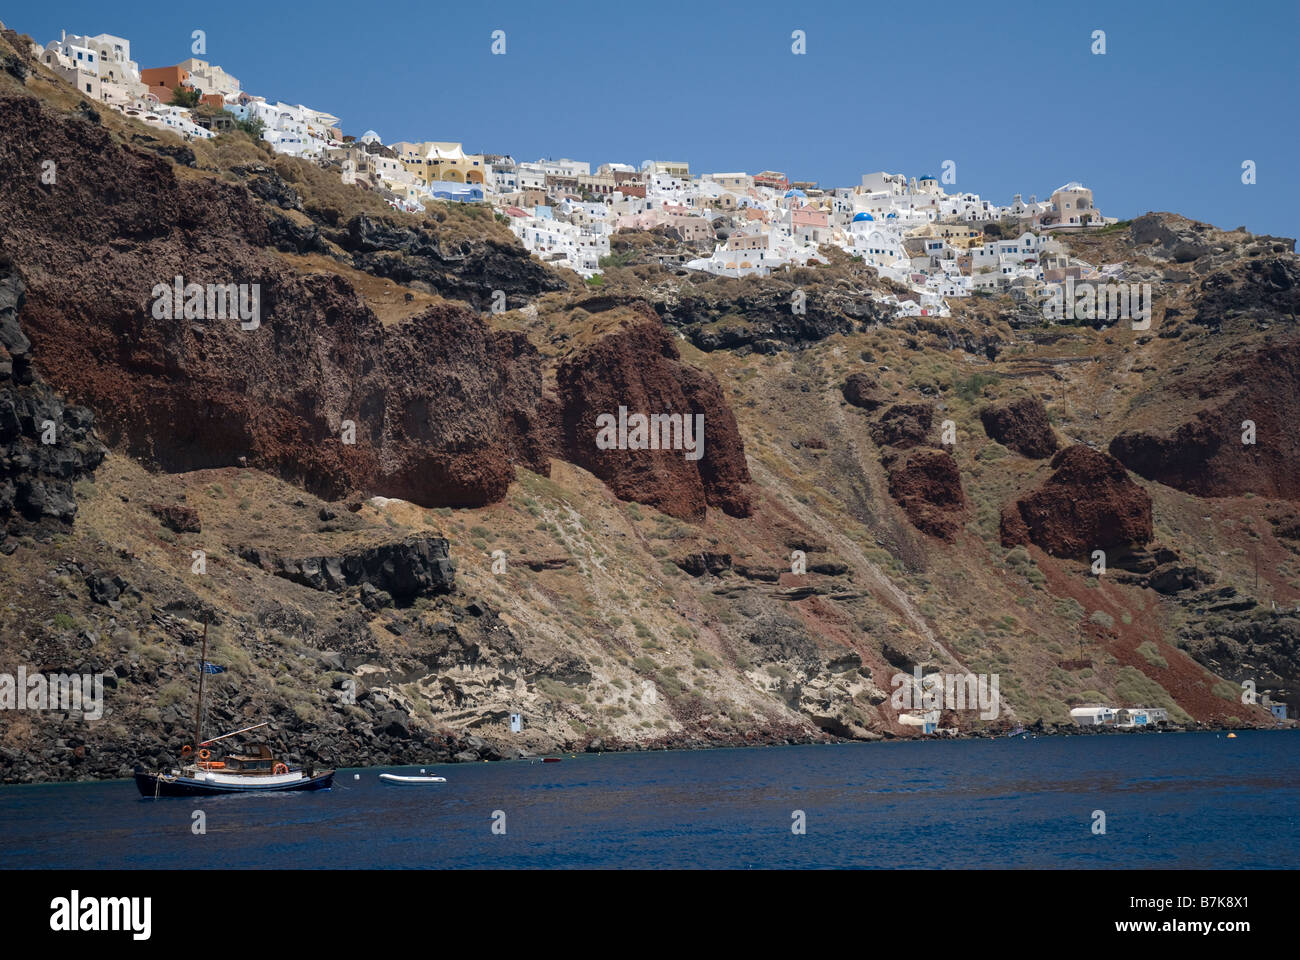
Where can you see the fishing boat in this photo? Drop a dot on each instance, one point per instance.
(254, 769)
(396, 778)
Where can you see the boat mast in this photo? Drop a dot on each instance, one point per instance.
(232, 733)
(203, 659)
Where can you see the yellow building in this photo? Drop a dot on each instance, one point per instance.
(671, 168)
(439, 160)
(960, 235)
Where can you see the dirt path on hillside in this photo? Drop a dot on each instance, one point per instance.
(852, 552)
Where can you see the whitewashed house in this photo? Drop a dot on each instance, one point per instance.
(1093, 716)
(177, 120)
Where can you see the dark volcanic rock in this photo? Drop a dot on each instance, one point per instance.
(1170, 578)
(1263, 649)
(470, 272)
(418, 566)
(755, 314)
(1088, 503)
(1265, 289)
(294, 237)
(267, 184)
(46, 445)
(170, 149)
(106, 587)
(698, 564)
(780, 638)
(14, 66)
(862, 390)
(1021, 425)
(177, 516)
(829, 568)
(758, 572)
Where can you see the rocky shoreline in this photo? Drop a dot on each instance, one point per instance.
(461, 748)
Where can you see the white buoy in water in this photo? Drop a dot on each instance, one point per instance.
(356, 776)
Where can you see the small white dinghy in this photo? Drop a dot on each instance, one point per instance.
(423, 778)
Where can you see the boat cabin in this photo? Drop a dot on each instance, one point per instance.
(256, 758)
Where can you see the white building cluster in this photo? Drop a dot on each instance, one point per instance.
(931, 243)
(909, 230)
(101, 68)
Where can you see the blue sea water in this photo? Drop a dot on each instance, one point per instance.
(1170, 800)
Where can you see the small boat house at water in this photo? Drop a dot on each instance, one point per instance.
(1140, 716)
(1092, 716)
(1119, 717)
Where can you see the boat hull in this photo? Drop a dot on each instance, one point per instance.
(394, 778)
(154, 785)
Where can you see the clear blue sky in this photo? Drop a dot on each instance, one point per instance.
(1010, 92)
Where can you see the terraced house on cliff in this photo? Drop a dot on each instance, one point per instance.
(100, 66)
(440, 160)
(290, 128)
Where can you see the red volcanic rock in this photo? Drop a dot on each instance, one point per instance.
(1088, 503)
(1205, 455)
(638, 368)
(927, 485)
(903, 425)
(436, 409)
(1022, 426)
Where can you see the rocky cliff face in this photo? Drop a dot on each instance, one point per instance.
(1088, 503)
(639, 369)
(1241, 440)
(764, 315)
(1022, 425)
(436, 410)
(1238, 277)
(1265, 651)
(903, 425)
(471, 271)
(46, 445)
(416, 567)
(862, 390)
(927, 485)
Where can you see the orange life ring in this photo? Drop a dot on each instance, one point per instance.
(279, 768)
(186, 750)
(205, 754)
